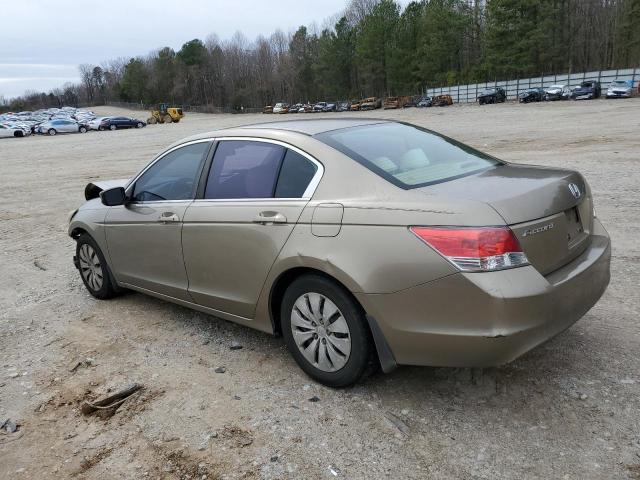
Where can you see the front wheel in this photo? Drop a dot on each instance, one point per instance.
(52, 132)
(112, 127)
(325, 331)
(83, 129)
(139, 125)
(93, 268)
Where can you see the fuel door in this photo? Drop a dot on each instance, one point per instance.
(327, 219)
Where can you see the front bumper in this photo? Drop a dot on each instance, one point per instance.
(618, 94)
(490, 318)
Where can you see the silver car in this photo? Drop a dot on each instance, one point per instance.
(53, 127)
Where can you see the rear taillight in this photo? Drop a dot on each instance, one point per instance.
(475, 249)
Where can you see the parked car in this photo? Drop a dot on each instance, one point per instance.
(267, 109)
(587, 90)
(344, 106)
(355, 105)
(53, 127)
(12, 131)
(412, 101)
(536, 94)
(116, 123)
(557, 92)
(371, 103)
(425, 101)
(306, 108)
(329, 107)
(392, 103)
(620, 89)
(295, 108)
(281, 108)
(319, 107)
(442, 100)
(95, 123)
(300, 244)
(492, 95)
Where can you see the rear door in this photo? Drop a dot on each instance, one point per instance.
(144, 237)
(254, 193)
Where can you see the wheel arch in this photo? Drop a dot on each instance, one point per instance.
(384, 355)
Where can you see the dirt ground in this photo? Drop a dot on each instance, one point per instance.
(569, 409)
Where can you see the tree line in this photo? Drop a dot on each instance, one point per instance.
(373, 47)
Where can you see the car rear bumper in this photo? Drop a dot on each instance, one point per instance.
(488, 319)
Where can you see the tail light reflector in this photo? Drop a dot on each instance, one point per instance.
(475, 249)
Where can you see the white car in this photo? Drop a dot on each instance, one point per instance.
(557, 92)
(95, 123)
(281, 108)
(12, 131)
(620, 89)
(56, 126)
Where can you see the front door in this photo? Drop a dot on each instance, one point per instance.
(144, 237)
(254, 195)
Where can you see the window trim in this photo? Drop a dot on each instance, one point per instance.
(306, 196)
(130, 185)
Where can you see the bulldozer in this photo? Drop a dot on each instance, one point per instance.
(165, 114)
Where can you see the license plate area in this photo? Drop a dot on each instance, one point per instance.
(575, 229)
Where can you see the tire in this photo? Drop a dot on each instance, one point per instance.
(139, 125)
(18, 134)
(52, 131)
(83, 129)
(95, 275)
(335, 335)
(112, 127)
(168, 119)
(101, 129)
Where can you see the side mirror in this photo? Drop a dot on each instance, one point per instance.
(113, 197)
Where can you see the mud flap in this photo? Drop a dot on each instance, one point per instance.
(385, 355)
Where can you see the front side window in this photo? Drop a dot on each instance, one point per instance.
(173, 177)
(406, 155)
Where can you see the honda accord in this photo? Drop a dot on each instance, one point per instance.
(361, 242)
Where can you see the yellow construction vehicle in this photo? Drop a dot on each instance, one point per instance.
(165, 114)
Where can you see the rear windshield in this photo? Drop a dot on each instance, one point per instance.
(406, 155)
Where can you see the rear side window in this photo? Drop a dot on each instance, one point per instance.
(244, 169)
(295, 175)
(173, 177)
(406, 155)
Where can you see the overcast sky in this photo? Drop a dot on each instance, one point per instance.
(42, 42)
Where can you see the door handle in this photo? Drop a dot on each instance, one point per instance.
(168, 217)
(270, 217)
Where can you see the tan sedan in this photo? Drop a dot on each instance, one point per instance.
(359, 241)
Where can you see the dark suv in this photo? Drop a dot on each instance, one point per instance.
(589, 89)
(492, 95)
(115, 123)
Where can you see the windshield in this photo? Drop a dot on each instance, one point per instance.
(619, 83)
(487, 91)
(406, 155)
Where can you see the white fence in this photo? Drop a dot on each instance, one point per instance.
(469, 93)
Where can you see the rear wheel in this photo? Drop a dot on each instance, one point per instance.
(168, 119)
(139, 125)
(18, 133)
(93, 268)
(325, 331)
(83, 129)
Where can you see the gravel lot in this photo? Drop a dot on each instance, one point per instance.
(569, 409)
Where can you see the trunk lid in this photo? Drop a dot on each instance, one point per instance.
(549, 210)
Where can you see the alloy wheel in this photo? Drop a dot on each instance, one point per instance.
(320, 332)
(90, 267)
